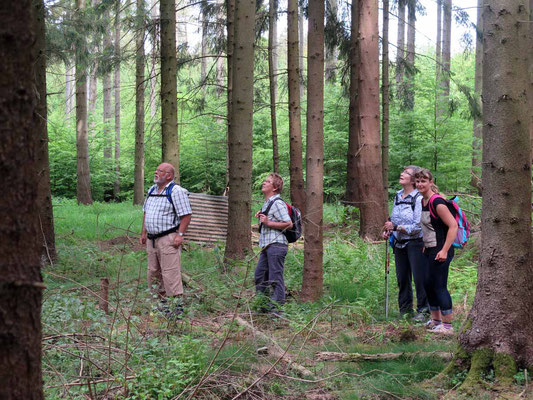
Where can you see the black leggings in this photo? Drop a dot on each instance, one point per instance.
(436, 283)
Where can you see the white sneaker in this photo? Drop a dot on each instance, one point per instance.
(441, 330)
(431, 324)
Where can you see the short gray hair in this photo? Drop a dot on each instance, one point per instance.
(416, 169)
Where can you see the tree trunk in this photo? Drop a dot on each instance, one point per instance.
(93, 81)
(409, 94)
(478, 122)
(169, 85)
(116, 186)
(446, 51)
(44, 196)
(301, 53)
(70, 97)
(138, 180)
(352, 173)
(203, 46)
(385, 100)
(83, 187)
(295, 126)
(368, 163)
(272, 78)
(154, 56)
(313, 247)
(20, 282)
(400, 50)
(230, 26)
(499, 325)
(331, 54)
(107, 95)
(239, 239)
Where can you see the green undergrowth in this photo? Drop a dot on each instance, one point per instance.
(134, 352)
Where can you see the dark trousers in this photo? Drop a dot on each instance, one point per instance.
(269, 272)
(437, 281)
(411, 263)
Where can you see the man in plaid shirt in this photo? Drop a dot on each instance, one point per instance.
(165, 222)
(273, 219)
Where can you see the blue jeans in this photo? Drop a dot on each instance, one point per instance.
(437, 281)
(411, 264)
(269, 271)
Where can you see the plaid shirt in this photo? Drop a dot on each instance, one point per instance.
(159, 214)
(277, 213)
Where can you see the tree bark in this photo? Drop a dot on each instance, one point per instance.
(313, 245)
(331, 54)
(478, 122)
(138, 180)
(400, 50)
(20, 282)
(116, 185)
(169, 85)
(446, 51)
(83, 187)
(385, 100)
(239, 239)
(203, 46)
(273, 80)
(301, 48)
(368, 163)
(409, 93)
(44, 195)
(499, 321)
(70, 97)
(154, 57)
(107, 95)
(295, 127)
(352, 173)
(230, 42)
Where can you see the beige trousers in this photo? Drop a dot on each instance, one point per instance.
(164, 266)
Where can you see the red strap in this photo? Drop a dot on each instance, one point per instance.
(431, 208)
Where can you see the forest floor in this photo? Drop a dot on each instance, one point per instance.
(222, 347)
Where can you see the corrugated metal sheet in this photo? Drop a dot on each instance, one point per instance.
(209, 222)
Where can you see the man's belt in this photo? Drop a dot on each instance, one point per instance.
(161, 234)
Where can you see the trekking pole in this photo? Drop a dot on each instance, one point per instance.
(387, 260)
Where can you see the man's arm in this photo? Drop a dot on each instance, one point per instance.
(184, 224)
(142, 239)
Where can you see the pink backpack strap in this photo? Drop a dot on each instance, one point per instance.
(432, 209)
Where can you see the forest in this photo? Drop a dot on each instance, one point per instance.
(342, 100)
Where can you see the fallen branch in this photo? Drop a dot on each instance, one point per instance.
(79, 383)
(354, 357)
(274, 348)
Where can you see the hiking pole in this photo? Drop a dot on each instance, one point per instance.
(387, 260)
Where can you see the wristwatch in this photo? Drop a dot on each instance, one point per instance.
(181, 233)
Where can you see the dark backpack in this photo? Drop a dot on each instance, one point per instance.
(412, 202)
(295, 232)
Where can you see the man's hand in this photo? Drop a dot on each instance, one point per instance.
(263, 219)
(143, 237)
(178, 240)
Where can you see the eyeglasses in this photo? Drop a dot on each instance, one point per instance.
(407, 173)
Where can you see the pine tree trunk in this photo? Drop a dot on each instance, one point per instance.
(154, 57)
(44, 195)
(295, 125)
(385, 100)
(446, 51)
(107, 95)
(301, 48)
(230, 27)
(438, 66)
(313, 245)
(83, 188)
(500, 321)
(409, 95)
(478, 121)
(116, 186)
(93, 81)
(203, 47)
(400, 50)
(20, 282)
(70, 97)
(272, 78)
(331, 54)
(169, 85)
(352, 176)
(138, 173)
(239, 239)
(368, 163)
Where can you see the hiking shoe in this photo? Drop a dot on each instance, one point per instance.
(441, 330)
(432, 324)
(420, 318)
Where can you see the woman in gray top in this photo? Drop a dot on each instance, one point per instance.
(404, 225)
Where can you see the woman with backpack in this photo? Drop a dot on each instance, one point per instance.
(440, 229)
(404, 225)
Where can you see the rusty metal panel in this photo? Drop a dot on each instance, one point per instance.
(209, 222)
